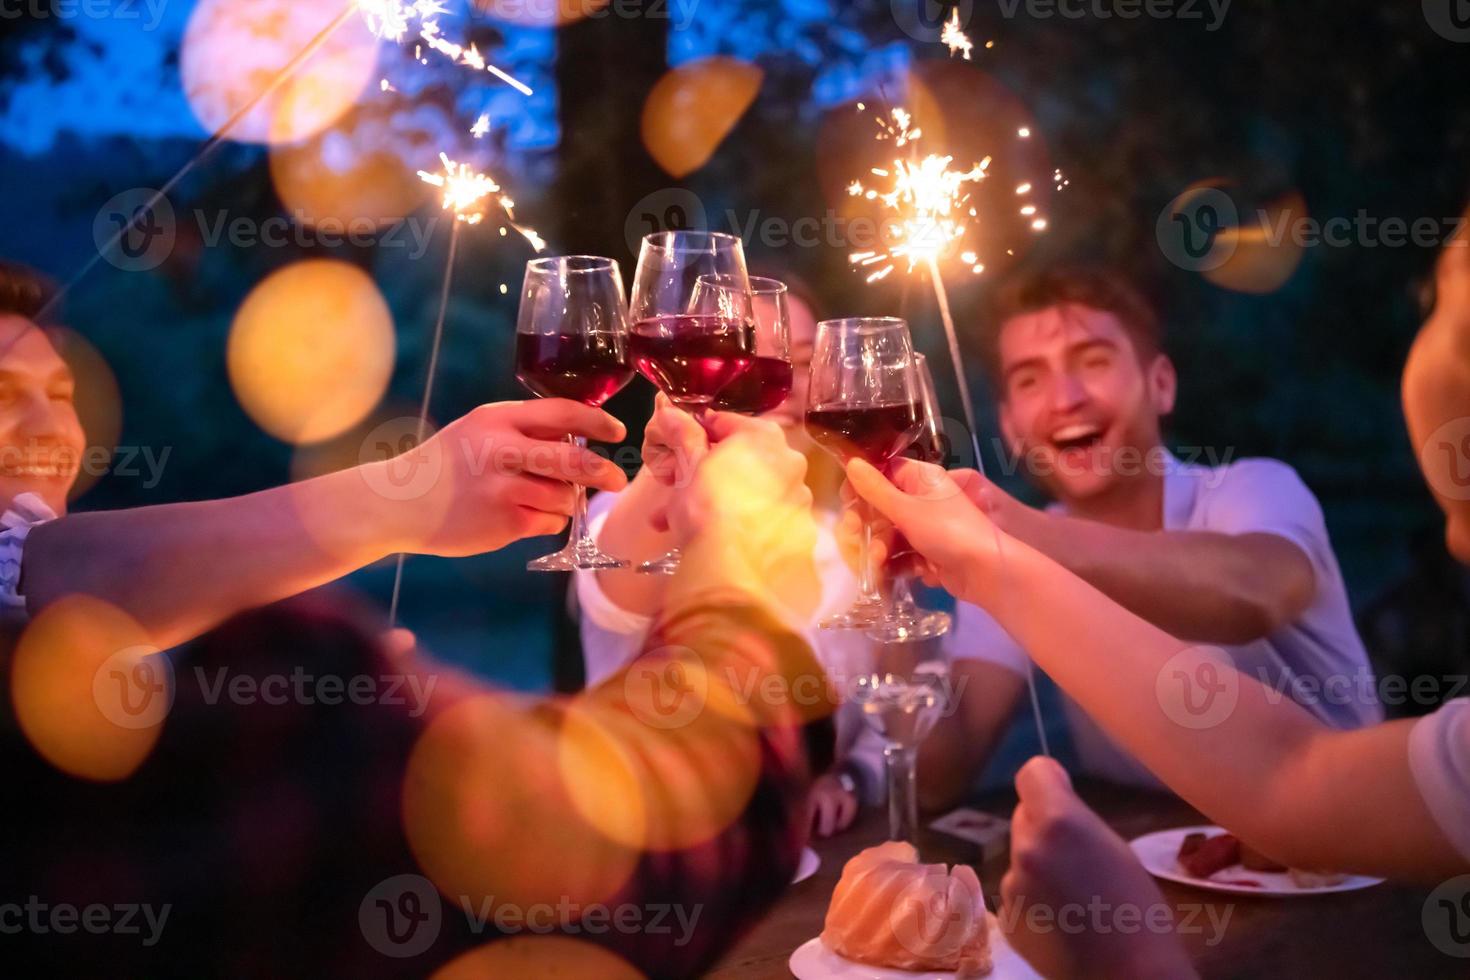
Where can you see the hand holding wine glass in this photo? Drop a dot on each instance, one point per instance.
(690, 351)
(571, 342)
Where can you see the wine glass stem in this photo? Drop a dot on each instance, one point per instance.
(903, 800)
(580, 537)
(867, 589)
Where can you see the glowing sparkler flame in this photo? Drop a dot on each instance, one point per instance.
(930, 203)
(467, 193)
(955, 38)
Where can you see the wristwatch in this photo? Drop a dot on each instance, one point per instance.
(848, 783)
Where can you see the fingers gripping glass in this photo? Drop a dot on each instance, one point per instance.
(690, 341)
(571, 342)
(862, 401)
(904, 621)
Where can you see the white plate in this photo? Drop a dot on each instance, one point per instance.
(814, 961)
(1159, 854)
(807, 866)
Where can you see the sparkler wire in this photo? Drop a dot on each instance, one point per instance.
(959, 372)
(428, 393)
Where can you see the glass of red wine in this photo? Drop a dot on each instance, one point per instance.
(904, 621)
(572, 342)
(763, 386)
(690, 351)
(862, 401)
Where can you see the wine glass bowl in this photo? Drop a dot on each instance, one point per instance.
(571, 342)
(766, 383)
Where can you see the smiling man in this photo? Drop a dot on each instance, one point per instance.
(1234, 556)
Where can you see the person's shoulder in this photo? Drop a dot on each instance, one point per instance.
(1254, 474)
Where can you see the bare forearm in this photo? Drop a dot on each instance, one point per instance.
(1202, 586)
(1268, 771)
(180, 568)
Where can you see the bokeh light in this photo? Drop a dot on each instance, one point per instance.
(311, 350)
(550, 957)
(693, 108)
(352, 175)
(487, 814)
(97, 401)
(90, 690)
(1263, 251)
(232, 49)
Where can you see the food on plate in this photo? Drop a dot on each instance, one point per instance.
(1315, 879)
(1204, 855)
(891, 911)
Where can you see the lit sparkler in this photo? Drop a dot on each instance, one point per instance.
(931, 215)
(955, 38)
(469, 194)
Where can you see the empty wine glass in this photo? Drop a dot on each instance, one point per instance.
(571, 342)
(862, 401)
(903, 620)
(690, 351)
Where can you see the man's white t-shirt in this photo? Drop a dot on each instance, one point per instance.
(1317, 660)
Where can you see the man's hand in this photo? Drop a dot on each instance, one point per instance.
(833, 807)
(498, 474)
(942, 516)
(1067, 862)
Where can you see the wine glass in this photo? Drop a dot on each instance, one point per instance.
(902, 695)
(862, 401)
(763, 386)
(903, 620)
(571, 342)
(690, 352)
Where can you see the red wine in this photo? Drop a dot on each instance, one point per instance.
(588, 368)
(689, 357)
(759, 390)
(929, 447)
(877, 433)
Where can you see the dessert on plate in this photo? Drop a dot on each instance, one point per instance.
(891, 911)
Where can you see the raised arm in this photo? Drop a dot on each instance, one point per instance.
(496, 475)
(1198, 585)
(1265, 768)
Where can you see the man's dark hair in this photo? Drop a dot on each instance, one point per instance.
(23, 291)
(1095, 288)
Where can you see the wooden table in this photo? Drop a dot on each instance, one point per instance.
(1374, 933)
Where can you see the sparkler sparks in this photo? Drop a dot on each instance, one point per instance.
(392, 20)
(955, 38)
(467, 193)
